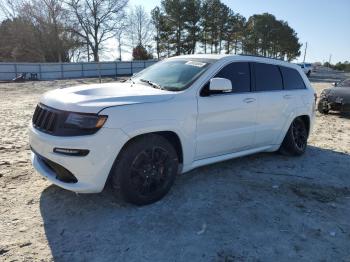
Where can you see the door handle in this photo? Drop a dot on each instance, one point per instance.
(287, 96)
(249, 100)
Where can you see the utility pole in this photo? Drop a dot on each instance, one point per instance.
(305, 52)
(88, 51)
(330, 59)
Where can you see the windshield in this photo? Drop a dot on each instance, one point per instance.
(173, 75)
(344, 83)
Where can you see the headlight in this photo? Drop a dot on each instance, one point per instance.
(84, 121)
(325, 92)
(58, 122)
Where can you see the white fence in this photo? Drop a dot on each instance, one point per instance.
(51, 71)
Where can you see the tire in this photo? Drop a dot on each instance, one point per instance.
(322, 106)
(145, 170)
(295, 141)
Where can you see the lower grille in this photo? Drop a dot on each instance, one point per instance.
(61, 173)
(45, 119)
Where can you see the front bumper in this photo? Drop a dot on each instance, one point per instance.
(335, 103)
(91, 171)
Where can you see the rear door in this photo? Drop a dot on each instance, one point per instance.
(226, 121)
(275, 104)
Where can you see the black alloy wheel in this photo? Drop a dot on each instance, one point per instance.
(295, 140)
(145, 170)
(150, 171)
(299, 134)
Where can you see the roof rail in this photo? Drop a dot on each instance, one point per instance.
(279, 59)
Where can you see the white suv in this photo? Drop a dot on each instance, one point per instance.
(179, 114)
(307, 68)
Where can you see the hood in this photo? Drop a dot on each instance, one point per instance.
(342, 92)
(95, 97)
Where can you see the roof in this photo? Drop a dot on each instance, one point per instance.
(204, 56)
(250, 58)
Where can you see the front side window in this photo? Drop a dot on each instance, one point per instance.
(239, 74)
(292, 79)
(173, 75)
(267, 77)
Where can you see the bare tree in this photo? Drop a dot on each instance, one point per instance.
(140, 27)
(96, 21)
(8, 8)
(35, 30)
(120, 35)
(50, 20)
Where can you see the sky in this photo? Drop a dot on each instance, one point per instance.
(323, 24)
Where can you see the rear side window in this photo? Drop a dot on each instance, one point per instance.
(267, 77)
(292, 79)
(239, 74)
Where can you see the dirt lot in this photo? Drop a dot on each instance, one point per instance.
(264, 207)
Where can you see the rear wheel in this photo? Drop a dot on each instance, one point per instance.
(145, 170)
(295, 141)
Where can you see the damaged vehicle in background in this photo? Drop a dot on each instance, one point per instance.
(336, 98)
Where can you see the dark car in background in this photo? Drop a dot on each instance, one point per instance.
(336, 98)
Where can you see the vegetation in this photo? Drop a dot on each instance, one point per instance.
(36, 31)
(215, 28)
(140, 53)
(339, 66)
(74, 30)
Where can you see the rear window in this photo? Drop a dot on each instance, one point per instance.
(292, 79)
(267, 77)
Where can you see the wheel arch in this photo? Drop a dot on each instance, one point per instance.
(306, 119)
(171, 136)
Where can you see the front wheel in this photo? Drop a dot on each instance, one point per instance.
(322, 106)
(295, 141)
(145, 170)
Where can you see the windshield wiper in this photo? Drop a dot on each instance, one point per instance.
(155, 85)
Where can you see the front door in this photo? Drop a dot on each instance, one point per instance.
(226, 122)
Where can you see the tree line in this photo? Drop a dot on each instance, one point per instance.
(345, 66)
(80, 30)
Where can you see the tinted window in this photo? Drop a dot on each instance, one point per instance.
(239, 74)
(267, 77)
(292, 79)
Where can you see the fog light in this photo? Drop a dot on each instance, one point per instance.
(71, 152)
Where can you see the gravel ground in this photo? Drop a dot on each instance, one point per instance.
(264, 207)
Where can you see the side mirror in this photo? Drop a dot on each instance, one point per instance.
(334, 84)
(220, 84)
